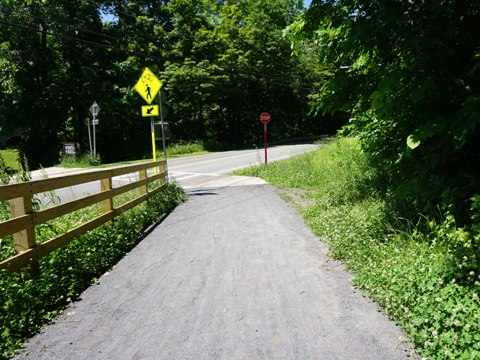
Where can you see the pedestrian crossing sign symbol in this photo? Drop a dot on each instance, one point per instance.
(149, 110)
(148, 85)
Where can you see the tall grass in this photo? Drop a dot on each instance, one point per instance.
(81, 161)
(424, 273)
(194, 147)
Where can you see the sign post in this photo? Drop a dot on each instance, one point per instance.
(265, 119)
(87, 122)
(161, 95)
(147, 87)
(94, 109)
(161, 124)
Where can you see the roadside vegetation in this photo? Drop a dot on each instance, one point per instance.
(180, 149)
(400, 204)
(221, 64)
(423, 272)
(28, 300)
(10, 160)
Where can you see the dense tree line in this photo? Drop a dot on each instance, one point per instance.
(408, 75)
(221, 62)
(405, 73)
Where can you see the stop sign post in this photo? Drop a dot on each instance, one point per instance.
(265, 119)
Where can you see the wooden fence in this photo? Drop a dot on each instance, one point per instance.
(24, 218)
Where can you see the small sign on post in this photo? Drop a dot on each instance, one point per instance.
(150, 110)
(265, 119)
(69, 149)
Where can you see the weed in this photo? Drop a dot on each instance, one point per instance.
(82, 161)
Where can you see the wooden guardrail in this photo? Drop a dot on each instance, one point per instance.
(24, 218)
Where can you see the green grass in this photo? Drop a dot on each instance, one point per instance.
(173, 151)
(186, 149)
(423, 273)
(10, 157)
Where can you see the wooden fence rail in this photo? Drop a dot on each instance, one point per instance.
(24, 218)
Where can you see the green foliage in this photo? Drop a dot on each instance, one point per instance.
(4, 171)
(30, 301)
(183, 148)
(51, 80)
(9, 159)
(236, 62)
(85, 160)
(334, 169)
(406, 72)
(425, 275)
(222, 64)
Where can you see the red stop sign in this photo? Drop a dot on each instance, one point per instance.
(265, 118)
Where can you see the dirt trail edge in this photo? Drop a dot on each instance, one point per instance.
(231, 274)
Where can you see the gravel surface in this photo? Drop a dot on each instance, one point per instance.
(233, 273)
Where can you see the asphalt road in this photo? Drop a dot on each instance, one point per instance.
(233, 273)
(188, 171)
(197, 170)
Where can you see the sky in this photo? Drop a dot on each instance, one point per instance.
(110, 18)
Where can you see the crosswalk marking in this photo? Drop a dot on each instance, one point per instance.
(182, 175)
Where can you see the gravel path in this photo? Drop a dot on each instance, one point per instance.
(231, 274)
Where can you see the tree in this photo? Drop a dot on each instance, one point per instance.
(221, 62)
(47, 76)
(408, 74)
(237, 65)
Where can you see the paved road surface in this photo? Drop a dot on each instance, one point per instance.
(193, 171)
(231, 274)
(189, 171)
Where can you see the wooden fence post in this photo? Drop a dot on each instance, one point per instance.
(107, 205)
(25, 239)
(163, 179)
(143, 175)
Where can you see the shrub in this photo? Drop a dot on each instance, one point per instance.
(85, 160)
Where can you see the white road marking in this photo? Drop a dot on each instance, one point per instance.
(181, 176)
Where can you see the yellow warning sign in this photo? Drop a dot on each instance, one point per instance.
(148, 85)
(150, 110)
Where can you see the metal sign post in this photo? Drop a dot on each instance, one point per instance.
(265, 141)
(87, 122)
(161, 124)
(163, 130)
(152, 129)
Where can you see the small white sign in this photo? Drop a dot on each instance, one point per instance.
(94, 109)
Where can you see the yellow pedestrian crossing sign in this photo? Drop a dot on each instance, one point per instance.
(150, 110)
(148, 85)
